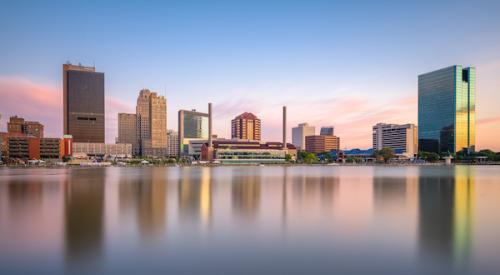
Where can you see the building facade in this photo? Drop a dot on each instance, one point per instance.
(83, 103)
(447, 110)
(127, 131)
(246, 126)
(193, 126)
(327, 131)
(17, 125)
(151, 111)
(172, 143)
(102, 149)
(403, 139)
(322, 143)
(300, 133)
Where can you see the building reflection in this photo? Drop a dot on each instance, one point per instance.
(246, 194)
(446, 211)
(84, 213)
(146, 196)
(195, 195)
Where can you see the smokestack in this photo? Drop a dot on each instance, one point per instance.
(284, 127)
(210, 125)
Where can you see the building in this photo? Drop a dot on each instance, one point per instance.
(447, 110)
(83, 103)
(300, 133)
(51, 148)
(151, 111)
(327, 131)
(402, 138)
(23, 147)
(127, 131)
(102, 149)
(193, 126)
(172, 143)
(17, 125)
(246, 126)
(247, 151)
(322, 143)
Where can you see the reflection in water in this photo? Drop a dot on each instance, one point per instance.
(145, 194)
(195, 195)
(245, 194)
(84, 208)
(446, 210)
(296, 220)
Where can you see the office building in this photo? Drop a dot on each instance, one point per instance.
(127, 131)
(122, 150)
(247, 151)
(246, 126)
(193, 126)
(51, 148)
(172, 143)
(24, 147)
(327, 131)
(83, 103)
(322, 143)
(401, 138)
(300, 133)
(151, 111)
(447, 110)
(17, 125)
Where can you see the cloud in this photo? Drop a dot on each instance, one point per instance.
(43, 102)
(489, 120)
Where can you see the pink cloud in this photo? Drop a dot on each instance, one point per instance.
(43, 103)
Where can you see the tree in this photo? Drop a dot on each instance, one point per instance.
(288, 157)
(385, 154)
(310, 158)
(428, 156)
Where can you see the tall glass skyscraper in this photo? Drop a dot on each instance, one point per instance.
(447, 110)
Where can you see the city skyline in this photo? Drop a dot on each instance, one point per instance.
(352, 80)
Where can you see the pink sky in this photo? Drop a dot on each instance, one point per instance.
(352, 116)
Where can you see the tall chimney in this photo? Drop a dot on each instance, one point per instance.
(284, 127)
(210, 125)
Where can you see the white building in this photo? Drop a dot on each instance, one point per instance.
(402, 138)
(102, 149)
(172, 143)
(300, 133)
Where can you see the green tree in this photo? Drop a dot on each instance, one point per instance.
(310, 158)
(288, 157)
(428, 156)
(385, 154)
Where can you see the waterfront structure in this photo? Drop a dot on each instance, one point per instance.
(172, 143)
(327, 131)
(401, 138)
(127, 131)
(123, 150)
(300, 133)
(246, 126)
(193, 126)
(247, 151)
(17, 125)
(447, 110)
(33, 148)
(83, 103)
(322, 143)
(151, 113)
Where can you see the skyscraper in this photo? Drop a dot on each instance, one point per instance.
(127, 131)
(172, 143)
(447, 110)
(83, 101)
(300, 133)
(245, 126)
(151, 111)
(193, 127)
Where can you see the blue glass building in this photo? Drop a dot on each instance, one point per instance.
(447, 110)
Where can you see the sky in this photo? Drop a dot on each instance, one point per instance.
(350, 64)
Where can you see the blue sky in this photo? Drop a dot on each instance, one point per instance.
(318, 57)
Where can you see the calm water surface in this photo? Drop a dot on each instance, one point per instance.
(251, 220)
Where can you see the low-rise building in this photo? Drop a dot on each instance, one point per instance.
(245, 151)
(51, 148)
(102, 149)
(322, 143)
(23, 148)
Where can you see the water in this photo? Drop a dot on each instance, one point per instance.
(251, 220)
